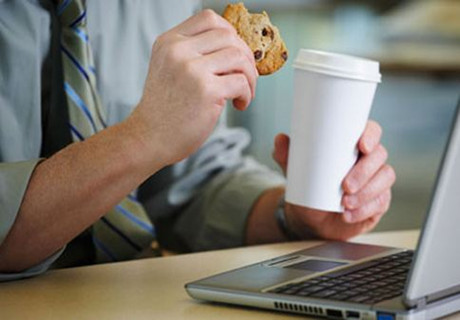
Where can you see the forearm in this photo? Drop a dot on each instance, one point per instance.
(262, 226)
(70, 191)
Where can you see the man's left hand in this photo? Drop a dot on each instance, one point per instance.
(367, 192)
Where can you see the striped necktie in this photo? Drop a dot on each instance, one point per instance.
(126, 230)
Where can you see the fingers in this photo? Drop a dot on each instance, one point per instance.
(209, 46)
(382, 181)
(218, 39)
(366, 167)
(373, 210)
(235, 87)
(370, 138)
(204, 21)
(281, 151)
(229, 61)
(368, 185)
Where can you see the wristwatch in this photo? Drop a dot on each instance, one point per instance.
(280, 216)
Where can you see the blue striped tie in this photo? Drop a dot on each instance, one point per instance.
(126, 230)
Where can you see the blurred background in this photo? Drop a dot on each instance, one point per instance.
(418, 45)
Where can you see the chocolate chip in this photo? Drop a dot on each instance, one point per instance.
(267, 31)
(257, 55)
(284, 55)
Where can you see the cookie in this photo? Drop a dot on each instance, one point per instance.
(262, 37)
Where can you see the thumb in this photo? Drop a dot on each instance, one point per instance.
(281, 151)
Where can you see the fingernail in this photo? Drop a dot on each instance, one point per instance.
(347, 216)
(351, 202)
(367, 146)
(352, 185)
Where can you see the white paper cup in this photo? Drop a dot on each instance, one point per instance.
(333, 94)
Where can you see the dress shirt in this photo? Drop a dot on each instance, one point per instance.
(201, 203)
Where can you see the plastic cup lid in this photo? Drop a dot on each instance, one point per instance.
(338, 65)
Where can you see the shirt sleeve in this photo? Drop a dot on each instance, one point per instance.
(14, 178)
(216, 218)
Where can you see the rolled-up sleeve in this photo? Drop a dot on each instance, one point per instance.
(217, 216)
(14, 178)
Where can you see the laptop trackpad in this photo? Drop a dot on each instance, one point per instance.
(344, 251)
(316, 265)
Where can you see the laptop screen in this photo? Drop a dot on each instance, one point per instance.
(436, 269)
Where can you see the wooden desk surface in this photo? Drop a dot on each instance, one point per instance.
(151, 288)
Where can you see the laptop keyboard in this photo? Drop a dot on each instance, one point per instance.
(369, 282)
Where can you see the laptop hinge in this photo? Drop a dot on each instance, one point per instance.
(416, 303)
(421, 303)
(424, 301)
(443, 294)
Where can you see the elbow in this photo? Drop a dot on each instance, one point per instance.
(12, 261)
(7, 262)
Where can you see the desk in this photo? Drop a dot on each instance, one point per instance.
(151, 288)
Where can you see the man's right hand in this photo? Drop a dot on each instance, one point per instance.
(195, 67)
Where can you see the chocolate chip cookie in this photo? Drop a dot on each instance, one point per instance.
(262, 37)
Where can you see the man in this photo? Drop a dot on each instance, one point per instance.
(200, 192)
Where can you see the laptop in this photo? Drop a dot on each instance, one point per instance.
(341, 280)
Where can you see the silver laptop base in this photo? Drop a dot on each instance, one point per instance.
(325, 308)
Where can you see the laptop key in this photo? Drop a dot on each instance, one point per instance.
(349, 285)
(376, 293)
(346, 278)
(359, 299)
(339, 297)
(334, 282)
(380, 283)
(312, 289)
(290, 291)
(303, 293)
(370, 286)
(379, 277)
(352, 269)
(400, 271)
(323, 294)
(340, 288)
(352, 293)
(327, 284)
(311, 281)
